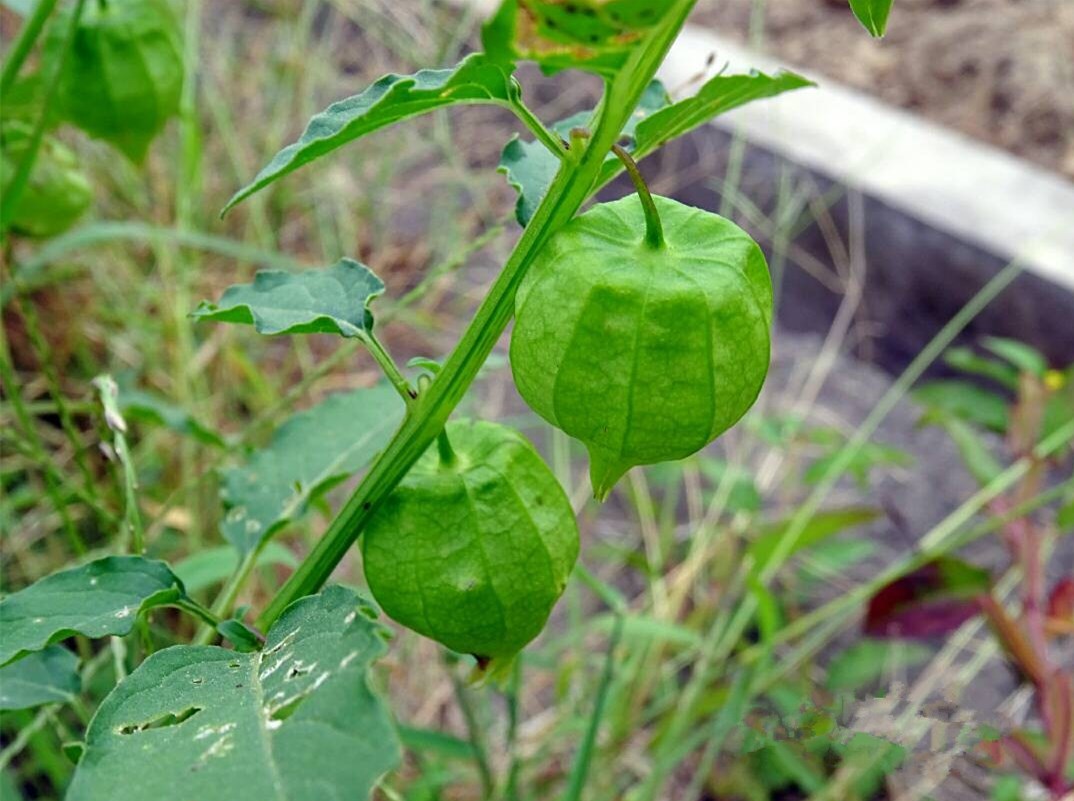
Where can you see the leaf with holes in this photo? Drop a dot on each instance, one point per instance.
(45, 677)
(310, 453)
(872, 14)
(475, 79)
(295, 721)
(331, 301)
(593, 35)
(98, 599)
(932, 601)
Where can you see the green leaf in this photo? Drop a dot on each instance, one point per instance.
(46, 677)
(1026, 358)
(967, 361)
(593, 35)
(717, 96)
(331, 301)
(239, 634)
(530, 166)
(872, 14)
(293, 722)
(743, 495)
(869, 456)
(210, 566)
(868, 661)
(309, 453)
(964, 401)
(983, 466)
(475, 79)
(821, 526)
(98, 599)
(148, 407)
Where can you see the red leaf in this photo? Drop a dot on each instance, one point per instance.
(932, 601)
(1061, 601)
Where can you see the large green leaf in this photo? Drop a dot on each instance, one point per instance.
(530, 167)
(872, 14)
(309, 453)
(294, 722)
(594, 35)
(98, 599)
(331, 301)
(46, 677)
(475, 79)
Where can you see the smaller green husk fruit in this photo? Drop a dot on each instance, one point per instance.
(57, 193)
(642, 329)
(475, 545)
(123, 76)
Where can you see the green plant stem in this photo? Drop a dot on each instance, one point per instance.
(572, 185)
(225, 602)
(31, 30)
(580, 768)
(387, 366)
(447, 453)
(473, 732)
(13, 191)
(537, 128)
(654, 231)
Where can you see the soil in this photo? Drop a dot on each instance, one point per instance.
(1001, 71)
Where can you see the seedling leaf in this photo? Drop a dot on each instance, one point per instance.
(97, 599)
(45, 677)
(331, 301)
(475, 79)
(872, 14)
(310, 453)
(294, 721)
(965, 401)
(868, 661)
(932, 601)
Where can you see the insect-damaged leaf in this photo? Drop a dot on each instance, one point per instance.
(331, 301)
(931, 601)
(872, 14)
(530, 167)
(475, 79)
(98, 599)
(292, 722)
(45, 677)
(593, 35)
(309, 453)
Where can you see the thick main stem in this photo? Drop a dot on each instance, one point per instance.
(572, 185)
(654, 231)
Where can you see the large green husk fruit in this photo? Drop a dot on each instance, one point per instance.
(123, 77)
(473, 552)
(57, 193)
(643, 353)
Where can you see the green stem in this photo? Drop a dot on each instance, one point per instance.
(31, 29)
(473, 731)
(447, 453)
(654, 231)
(537, 128)
(225, 602)
(573, 184)
(391, 372)
(13, 191)
(192, 607)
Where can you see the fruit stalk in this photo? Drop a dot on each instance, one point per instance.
(654, 231)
